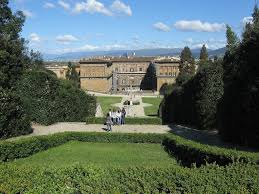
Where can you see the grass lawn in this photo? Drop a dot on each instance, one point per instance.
(101, 154)
(106, 102)
(152, 110)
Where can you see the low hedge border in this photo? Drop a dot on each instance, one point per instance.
(188, 152)
(10, 150)
(128, 120)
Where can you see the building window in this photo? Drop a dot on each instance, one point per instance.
(140, 69)
(170, 73)
(116, 69)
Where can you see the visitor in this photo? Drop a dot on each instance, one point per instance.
(123, 115)
(118, 117)
(109, 122)
(113, 117)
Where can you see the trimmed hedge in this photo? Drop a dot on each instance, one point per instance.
(190, 152)
(47, 99)
(185, 150)
(236, 178)
(128, 120)
(10, 150)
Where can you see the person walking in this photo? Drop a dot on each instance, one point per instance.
(109, 122)
(123, 116)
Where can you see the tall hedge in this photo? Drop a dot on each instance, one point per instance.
(48, 100)
(195, 102)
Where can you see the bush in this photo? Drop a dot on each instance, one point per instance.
(48, 100)
(128, 120)
(13, 120)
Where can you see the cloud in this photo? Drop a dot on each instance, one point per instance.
(48, 5)
(247, 20)
(66, 39)
(34, 37)
(197, 25)
(161, 27)
(27, 13)
(210, 43)
(120, 7)
(92, 6)
(64, 5)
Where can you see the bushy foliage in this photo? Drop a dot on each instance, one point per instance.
(235, 178)
(13, 120)
(239, 109)
(48, 100)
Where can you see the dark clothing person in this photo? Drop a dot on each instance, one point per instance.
(123, 116)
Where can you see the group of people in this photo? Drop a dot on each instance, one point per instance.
(114, 117)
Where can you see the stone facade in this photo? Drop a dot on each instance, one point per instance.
(167, 72)
(122, 73)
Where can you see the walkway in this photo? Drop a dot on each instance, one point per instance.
(63, 127)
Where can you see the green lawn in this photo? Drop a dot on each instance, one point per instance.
(107, 102)
(152, 110)
(101, 154)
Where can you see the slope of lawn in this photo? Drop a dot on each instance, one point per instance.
(151, 110)
(107, 102)
(101, 154)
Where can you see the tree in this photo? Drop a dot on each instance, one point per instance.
(204, 54)
(187, 66)
(239, 108)
(72, 74)
(13, 120)
(232, 39)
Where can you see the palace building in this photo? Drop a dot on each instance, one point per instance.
(109, 74)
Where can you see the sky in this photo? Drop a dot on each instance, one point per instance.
(61, 26)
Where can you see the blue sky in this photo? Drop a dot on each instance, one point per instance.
(59, 26)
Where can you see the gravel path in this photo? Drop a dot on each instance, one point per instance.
(62, 127)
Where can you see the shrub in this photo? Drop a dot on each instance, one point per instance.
(128, 120)
(47, 99)
(13, 120)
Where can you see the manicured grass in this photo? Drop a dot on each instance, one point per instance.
(152, 110)
(101, 154)
(107, 102)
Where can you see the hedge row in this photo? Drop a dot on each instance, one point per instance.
(190, 152)
(235, 178)
(128, 120)
(10, 150)
(187, 151)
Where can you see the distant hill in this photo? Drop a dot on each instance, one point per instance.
(141, 52)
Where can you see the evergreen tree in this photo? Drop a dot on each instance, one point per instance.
(187, 66)
(204, 54)
(232, 39)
